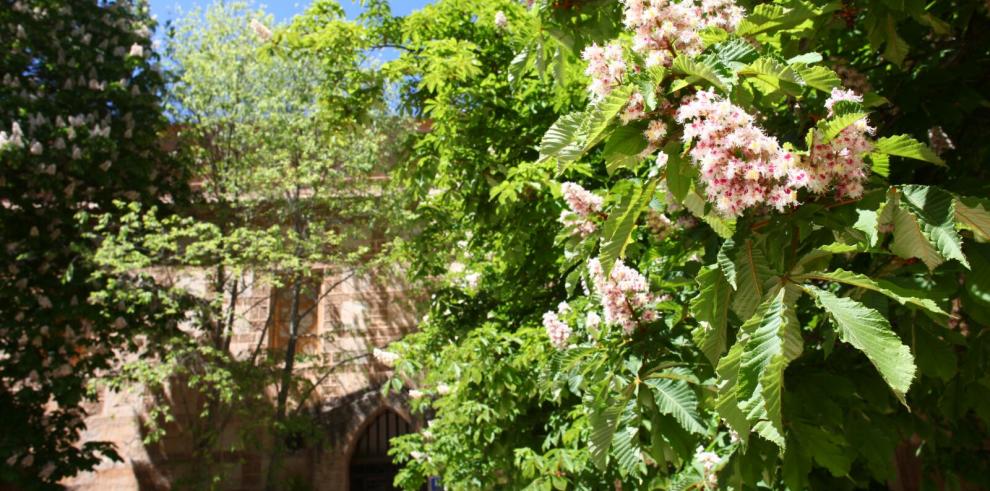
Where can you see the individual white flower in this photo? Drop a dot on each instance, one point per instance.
(260, 30)
(471, 280)
(137, 51)
(36, 148)
(592, 320)
(501, 21)
(443, 389)
(416, 394)
(417, 455)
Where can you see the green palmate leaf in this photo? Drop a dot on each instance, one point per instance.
(818, 77)
(830, 128)
(648, 88)
(974, 215)
(676, 398)
(763, 336)
(896, 47)
(909, 239)
(622, 221)
(752, 274)
(735, 53)
(805, 59)
(604, 421)
(868, 331)
(711, 309)
(776, 74)
(895, 292)
(680, 172)
(770, 424)
(905, 146)
(866, 222)
(564, 139)
(726, 261)
(624, 147)
(771, 17)
(721, 226)
(934, 209)
(727, 404)
(701, 70)
(601, 115)
(627, 450)
(828, 449)
(880, 164)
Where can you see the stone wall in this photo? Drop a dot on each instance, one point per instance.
(360, 313)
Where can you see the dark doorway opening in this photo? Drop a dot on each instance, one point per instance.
(371, 468)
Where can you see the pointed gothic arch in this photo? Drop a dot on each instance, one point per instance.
(370, 468)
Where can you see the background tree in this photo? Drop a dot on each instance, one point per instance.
(80, 127)
(289, 160)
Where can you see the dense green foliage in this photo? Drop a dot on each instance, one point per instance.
(79, 128)
(792, 349)
(752, 254)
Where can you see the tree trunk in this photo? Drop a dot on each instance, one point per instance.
(278, 439)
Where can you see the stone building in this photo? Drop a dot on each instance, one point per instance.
(359, 314)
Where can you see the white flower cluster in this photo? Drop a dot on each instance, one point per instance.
(386, 358)
(839, 162)
(584, 205)
(261, 30)
(664, 28)
(606, 67)
(741, 166)
(625, 295)
(709, 461)
(501, 21)
(557, 330)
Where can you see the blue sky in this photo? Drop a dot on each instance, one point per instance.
(282, 9)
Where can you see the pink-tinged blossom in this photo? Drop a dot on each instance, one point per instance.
(839, 162)
(655, 131)
(583, 206)
(625, 295)
(580, 200)
(662, 28)
(709, 461)
(606, 67)
(741, 166)
(557, 330)
(634, 110)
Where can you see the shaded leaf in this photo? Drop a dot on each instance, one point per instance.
(868, 331)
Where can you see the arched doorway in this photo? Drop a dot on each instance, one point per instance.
(371, 468)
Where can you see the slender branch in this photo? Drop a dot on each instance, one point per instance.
(332, 368)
